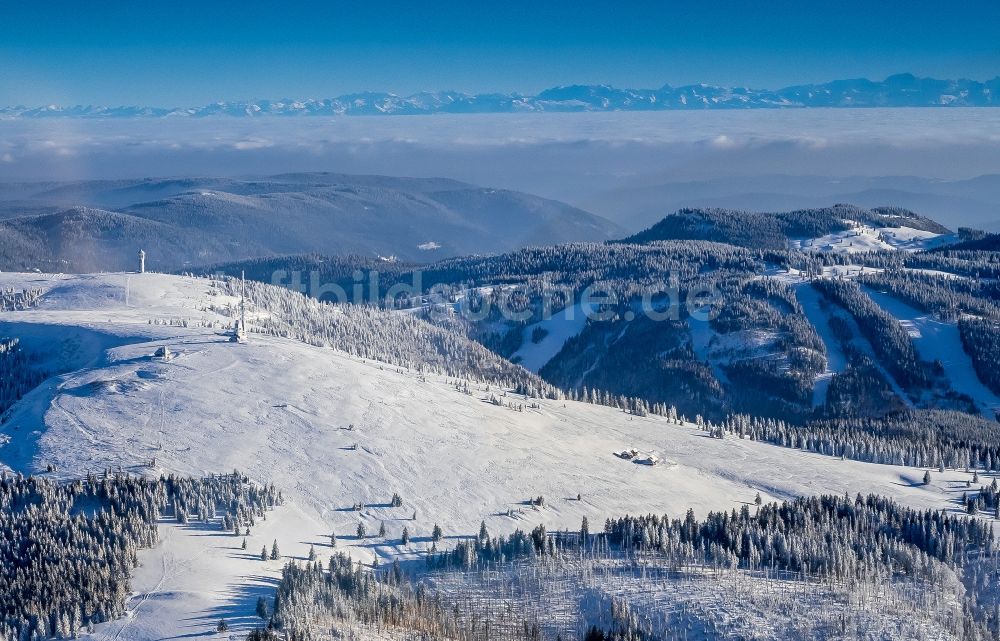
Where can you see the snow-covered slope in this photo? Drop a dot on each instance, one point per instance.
(836, 360)
(939, 341)
(331, 431)
(863, 238)
(551, 333)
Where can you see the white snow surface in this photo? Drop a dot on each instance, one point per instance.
(290, 413)
(861, 238)
(560, 327)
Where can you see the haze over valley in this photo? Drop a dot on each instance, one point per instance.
(631, 168)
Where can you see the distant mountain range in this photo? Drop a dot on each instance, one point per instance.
(901, 90)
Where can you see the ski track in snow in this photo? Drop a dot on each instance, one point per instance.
(836, 360)
(940, 340)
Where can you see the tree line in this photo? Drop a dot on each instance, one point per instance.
(981, 340)
(890, 341)
(946, 296)
(67, 549)
(834, 540)
(914, 438)
(19, 373)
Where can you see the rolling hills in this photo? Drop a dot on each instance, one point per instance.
(776, 339)
(193, 222)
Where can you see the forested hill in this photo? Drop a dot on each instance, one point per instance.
(760, 230)
(981, 242)
(824, 314)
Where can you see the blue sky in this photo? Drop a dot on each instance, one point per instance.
(179, 52)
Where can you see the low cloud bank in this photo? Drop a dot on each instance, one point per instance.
(574, 157)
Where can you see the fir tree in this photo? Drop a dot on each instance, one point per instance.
(397, 572)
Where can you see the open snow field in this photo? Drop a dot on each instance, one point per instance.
(331, 430)
(198, 575)
(862, 238)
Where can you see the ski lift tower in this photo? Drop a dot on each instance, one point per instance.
(240, 331)
(142, 262)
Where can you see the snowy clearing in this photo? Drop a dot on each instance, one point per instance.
(862, 238)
